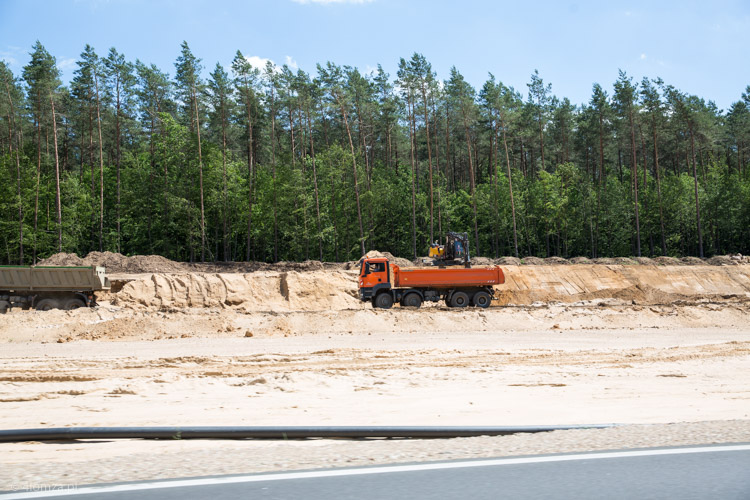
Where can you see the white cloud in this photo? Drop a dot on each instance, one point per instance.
(291, 62)
(8, 58)
(330, 2)
(66, 64)
(259, 62)
(643, 56)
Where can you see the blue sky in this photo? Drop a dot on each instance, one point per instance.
(700, 47)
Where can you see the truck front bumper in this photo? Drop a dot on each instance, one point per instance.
(365, 293)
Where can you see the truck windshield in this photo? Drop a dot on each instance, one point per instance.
(372, 267)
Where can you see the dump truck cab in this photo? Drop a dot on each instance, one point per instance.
(374, 277)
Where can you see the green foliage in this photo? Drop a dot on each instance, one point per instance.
(278, 141)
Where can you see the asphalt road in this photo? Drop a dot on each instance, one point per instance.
(706, 472)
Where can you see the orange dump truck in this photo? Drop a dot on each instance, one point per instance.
(384, 283)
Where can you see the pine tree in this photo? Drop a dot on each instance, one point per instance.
(190, 85)
(42, 77)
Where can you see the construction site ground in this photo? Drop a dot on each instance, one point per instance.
(664, 349)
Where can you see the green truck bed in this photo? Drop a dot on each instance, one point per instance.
(23, 279)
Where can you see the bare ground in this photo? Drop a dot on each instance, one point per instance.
(662, 348)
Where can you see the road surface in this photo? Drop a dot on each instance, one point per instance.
(706, 472)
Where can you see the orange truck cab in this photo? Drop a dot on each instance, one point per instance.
(384, 283)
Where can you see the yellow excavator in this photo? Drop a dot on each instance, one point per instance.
(454, 252)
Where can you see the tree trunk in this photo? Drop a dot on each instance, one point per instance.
(541, 136)
(658, 191)
(471, 180)
(413, 188)
(635, 185)
(315, 183)
(117, 163)
(354, 168)
(273, 176)
(200, 177)
(38, 175)
(101, 167)
(429, 158)
(697, 202)
(11, 128)
(57, 178)
(510, 187)
(224, 237)
(250, 173)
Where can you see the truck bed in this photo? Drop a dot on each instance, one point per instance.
(52, 279)
(448, 277)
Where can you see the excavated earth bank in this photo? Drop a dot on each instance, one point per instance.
(334, 290)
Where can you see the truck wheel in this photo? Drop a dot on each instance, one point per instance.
(384, 301)
(412, 300)
(459, 299)
(482, 299)
(47, 305)
(73, 303)
(4, 306)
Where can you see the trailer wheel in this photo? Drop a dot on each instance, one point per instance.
(384, 301)
(4, 306)
(459, 299)
(73, 303)
(412, 300)
(482, 299)
(47, 305)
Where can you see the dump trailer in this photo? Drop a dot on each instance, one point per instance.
(48, 287)
(384, 283)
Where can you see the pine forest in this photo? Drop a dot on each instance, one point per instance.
(206, 163)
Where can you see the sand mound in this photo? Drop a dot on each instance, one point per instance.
(580, 260)
(116, 262)
(374, 254)
(508, 261)
(556, 261)
(62, 259)
(482, 261)
(723, 260)
(532, 261)
(667, 261)
(692, 261)
(261, 291)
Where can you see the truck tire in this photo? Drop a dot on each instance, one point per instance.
(459, 299)
(383, 301)
(73, 303)
(482, 299)
(4, 306)
(47, 305)
(412, 300)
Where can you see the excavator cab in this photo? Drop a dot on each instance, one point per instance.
(373, 276)
(454, 252)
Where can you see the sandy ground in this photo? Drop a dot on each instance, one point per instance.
(663, 348)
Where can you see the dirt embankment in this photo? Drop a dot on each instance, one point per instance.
(251, 292)
(327, 290)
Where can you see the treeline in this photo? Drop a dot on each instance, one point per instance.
(273, 163)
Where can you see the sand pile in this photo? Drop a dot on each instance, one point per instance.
(261, 291)
(139, 264)
(116, 262)
(63, 259)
